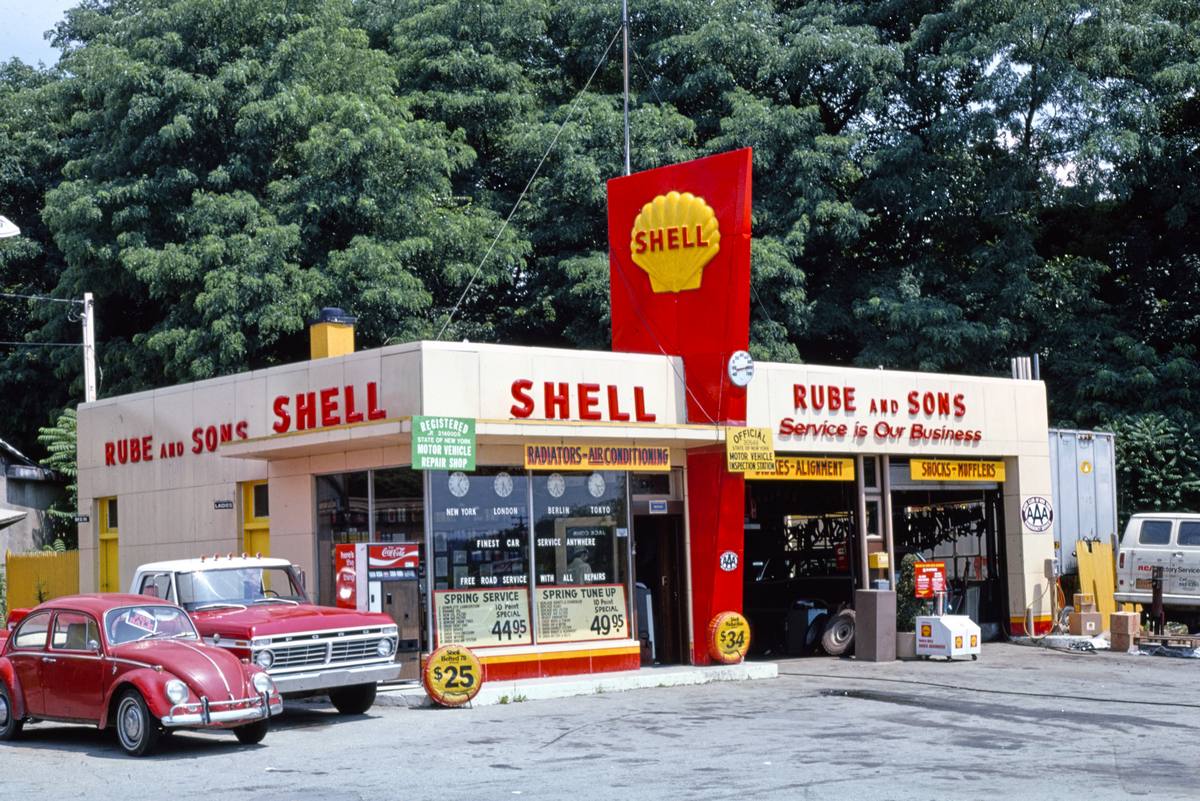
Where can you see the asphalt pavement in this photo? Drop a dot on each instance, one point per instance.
(1022, 722)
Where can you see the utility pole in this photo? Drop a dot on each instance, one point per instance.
(89, 348)
(10, 229)
(625, 43)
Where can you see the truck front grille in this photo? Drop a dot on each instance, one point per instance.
(301, 655)
(355, 650)
(325, 650)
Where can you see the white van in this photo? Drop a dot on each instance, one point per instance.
(1171, 540)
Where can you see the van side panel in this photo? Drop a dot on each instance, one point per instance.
(1151, 541)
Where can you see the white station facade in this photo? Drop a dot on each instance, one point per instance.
(294, 460)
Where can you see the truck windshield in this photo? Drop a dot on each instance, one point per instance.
(238, 586)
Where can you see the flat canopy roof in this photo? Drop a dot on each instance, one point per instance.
(489, 432)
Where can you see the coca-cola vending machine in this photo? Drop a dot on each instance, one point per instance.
(382, 577)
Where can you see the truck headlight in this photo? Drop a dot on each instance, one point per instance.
(177, 691)
(385, 647)
(262, 683)
(264, 659)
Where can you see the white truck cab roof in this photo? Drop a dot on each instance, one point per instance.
(1172, 515)
(211, 563)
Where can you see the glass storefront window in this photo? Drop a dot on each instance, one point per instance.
(480, 531)
(480, 528)
(398, 505)
(581, 536)
(342, 516)
(580, 528)
(498, 568)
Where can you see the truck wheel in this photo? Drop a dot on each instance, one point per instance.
(10, 726)
(353, 700)
(839, 633)
(137, 730)
(251, 733)
(815, 630)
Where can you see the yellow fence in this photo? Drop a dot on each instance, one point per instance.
(35, 577)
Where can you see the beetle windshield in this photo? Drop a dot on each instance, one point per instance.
(240, 586)
(133, 623)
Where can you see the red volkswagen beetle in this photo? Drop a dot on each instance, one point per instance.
(131, 662)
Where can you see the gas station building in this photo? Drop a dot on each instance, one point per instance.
(596, 525)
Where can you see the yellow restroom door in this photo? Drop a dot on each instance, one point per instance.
(256, 519)
(110, 574)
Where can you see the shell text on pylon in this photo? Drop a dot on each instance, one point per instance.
(673, 238)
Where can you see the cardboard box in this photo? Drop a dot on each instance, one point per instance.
(1121, 643)
(1124, 623)
(1087, 624)
(1084, 602)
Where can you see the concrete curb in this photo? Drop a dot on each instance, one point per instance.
(1066, 642)
(503, 692)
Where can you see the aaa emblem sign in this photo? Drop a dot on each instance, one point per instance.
(452, 675)
(728, 638)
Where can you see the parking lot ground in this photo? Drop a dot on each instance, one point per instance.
(1022, 722)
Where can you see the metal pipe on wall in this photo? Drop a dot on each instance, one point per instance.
(864, 571)
(886, 512)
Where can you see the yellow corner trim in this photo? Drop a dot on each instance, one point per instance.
(540, 657)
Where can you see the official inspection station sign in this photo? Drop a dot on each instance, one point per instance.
(443, 443)
(749, 450)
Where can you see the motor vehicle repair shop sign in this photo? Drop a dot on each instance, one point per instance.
(443, 443)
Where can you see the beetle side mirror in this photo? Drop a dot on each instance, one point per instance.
(93, 646)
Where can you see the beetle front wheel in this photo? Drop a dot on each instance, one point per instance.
(137, 729)
(251, 733)
(10, 725)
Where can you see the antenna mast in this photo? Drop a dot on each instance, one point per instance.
(625, 48)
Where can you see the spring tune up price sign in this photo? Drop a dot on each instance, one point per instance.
(572, 614)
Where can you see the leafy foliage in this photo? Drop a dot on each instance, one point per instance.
(1158, 464)
(938, 186)
(908, 606)
(59, 440)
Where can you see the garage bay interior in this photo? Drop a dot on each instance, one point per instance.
(807, 544)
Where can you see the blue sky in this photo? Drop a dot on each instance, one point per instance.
(22, 23)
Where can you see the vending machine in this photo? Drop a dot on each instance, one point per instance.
(382, 577)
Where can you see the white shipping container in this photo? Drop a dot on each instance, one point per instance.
(1084, 485)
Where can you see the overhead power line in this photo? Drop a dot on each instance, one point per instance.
(553, 142)
(17, 344)
(40, 297)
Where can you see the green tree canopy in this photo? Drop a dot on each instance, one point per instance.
(938, 186)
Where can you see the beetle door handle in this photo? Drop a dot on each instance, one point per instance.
(49, 659)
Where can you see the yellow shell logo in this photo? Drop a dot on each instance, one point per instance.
(673, 238)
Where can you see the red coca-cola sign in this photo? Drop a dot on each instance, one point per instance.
(385, 557)
(345, 576)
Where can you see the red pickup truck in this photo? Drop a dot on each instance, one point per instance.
(257, 608)
(14, 617)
